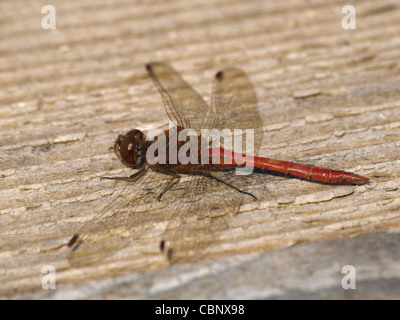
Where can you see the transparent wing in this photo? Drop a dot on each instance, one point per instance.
(125, 219)
(184, 106)
(234, 105)
(197, 210)
(207, 205)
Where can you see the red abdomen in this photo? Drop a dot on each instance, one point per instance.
(291, 168)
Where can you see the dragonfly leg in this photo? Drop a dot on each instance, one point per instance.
(131, 178)
(175, 179)
(209, 174)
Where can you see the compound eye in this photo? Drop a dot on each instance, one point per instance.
(128, 149)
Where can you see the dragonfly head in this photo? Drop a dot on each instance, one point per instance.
(131, 148)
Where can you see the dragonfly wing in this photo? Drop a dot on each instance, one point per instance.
(206, 206)
(234, 104)
(184, 106)
(125, 219)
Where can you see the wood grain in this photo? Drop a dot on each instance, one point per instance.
(327, 96)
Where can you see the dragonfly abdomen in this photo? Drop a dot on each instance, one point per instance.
(309, 172)
(303, 171)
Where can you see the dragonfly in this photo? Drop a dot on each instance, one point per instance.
(193, 199)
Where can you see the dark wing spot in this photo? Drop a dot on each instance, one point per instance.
(220, 75)
(169, 254)
(73, 240)
(148, 68)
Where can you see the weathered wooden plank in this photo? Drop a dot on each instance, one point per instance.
(327, 97)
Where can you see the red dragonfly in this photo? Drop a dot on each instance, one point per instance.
(196, 196)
